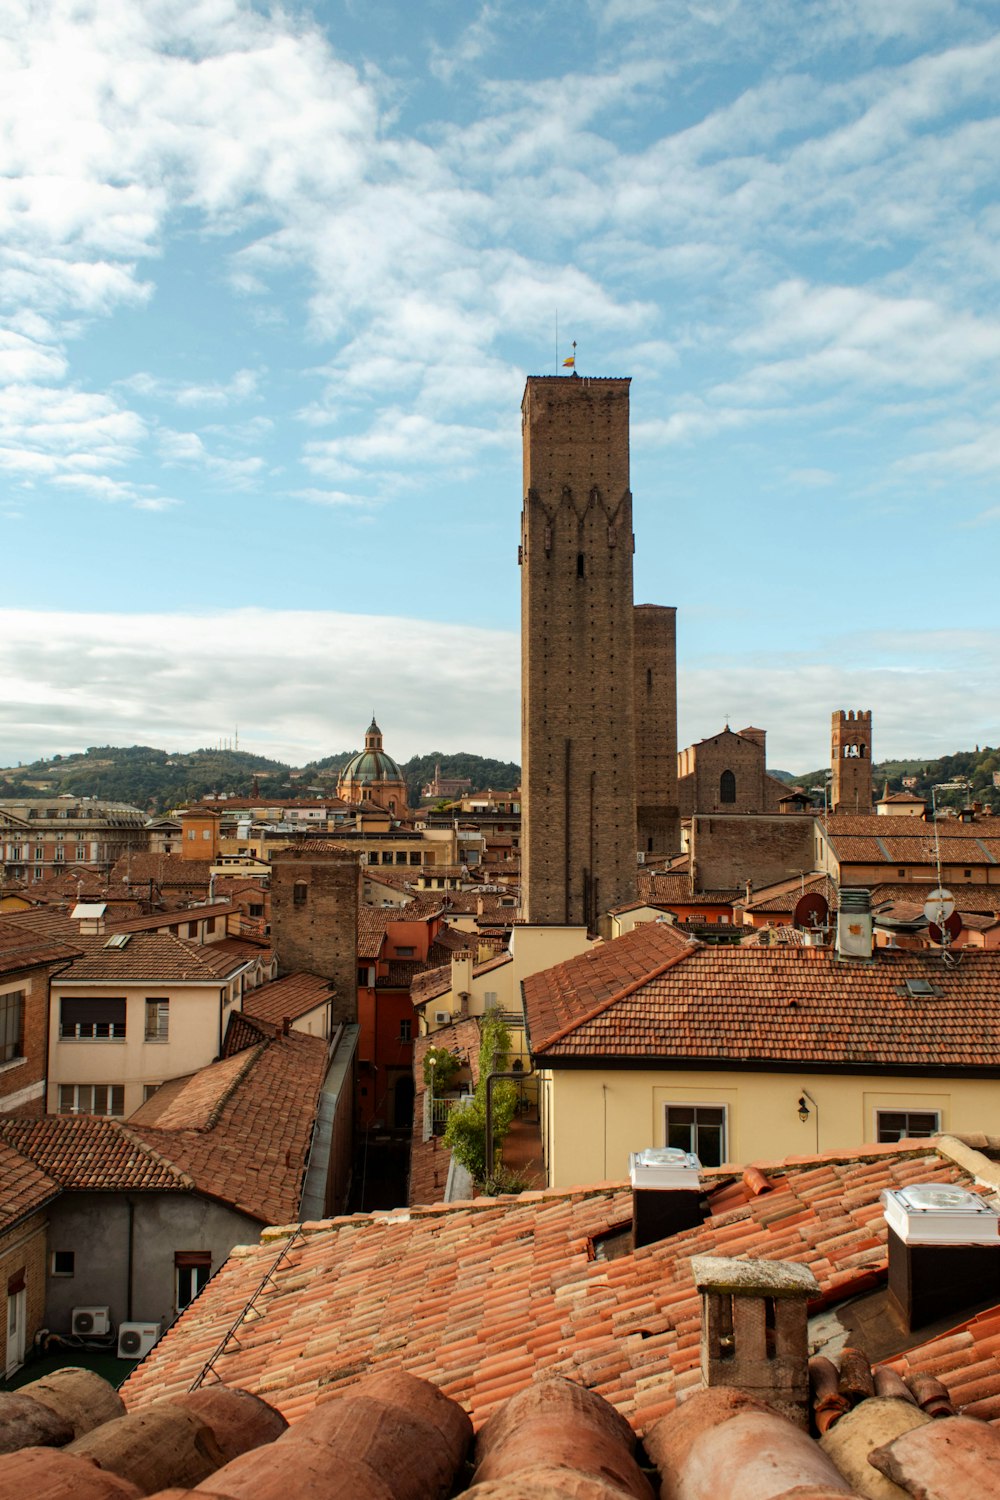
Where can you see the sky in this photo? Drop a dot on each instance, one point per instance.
(271, 281)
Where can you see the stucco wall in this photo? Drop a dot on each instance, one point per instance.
(592, 1120)
(96, 1227)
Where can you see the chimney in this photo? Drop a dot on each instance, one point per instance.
(666, 1193)
(461, 974)
(754, 1331)
(854, 923)
(944, 1251)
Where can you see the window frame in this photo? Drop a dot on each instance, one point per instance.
(695, 1105)
(906, 1112)
(72, 1105)
(117, 1029)
(12, 1008)
(160, 1032)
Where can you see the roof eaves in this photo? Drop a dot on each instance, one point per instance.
(622, 994)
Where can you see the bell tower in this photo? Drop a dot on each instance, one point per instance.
(578, 842)
(851, 761)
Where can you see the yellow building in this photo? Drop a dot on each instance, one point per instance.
(754, 1053)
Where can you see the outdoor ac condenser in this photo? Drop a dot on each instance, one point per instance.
(136, 1339)
(90, 1322)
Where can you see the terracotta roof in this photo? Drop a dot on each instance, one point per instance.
(169, 918)
(737, 1005)
(562, 996)
(160, 956)
(24, 1187)
(21, 947)
(241, 1128)
(162, 869)
(430, 984)
(783, 895)
(292, 996)
(966, 1359)
(87, 1153)
(480, 1297)
(968, 898)
(373, 924)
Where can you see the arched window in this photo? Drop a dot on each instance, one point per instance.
(727, 787)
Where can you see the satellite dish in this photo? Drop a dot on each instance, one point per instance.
(939, 906)
(947, 931)
(811, 910)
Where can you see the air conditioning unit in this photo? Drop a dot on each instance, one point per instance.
(442, 1017)
(640, 856)
(90, 1322)
(136, 1339)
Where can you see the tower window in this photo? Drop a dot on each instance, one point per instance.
(727, 787)
(579, 565)
(649, 679)
(299, 893)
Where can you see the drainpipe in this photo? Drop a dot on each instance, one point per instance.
(131, 1258)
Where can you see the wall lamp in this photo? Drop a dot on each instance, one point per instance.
(805, 1099)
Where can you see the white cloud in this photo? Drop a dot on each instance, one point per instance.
(243, 386)
(71, 680)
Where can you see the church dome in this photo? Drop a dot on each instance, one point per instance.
(371, 765)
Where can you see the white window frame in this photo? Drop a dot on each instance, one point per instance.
(82, 1099)
(697, 1104)
(159, 1030)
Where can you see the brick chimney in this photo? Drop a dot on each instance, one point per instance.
(754, 1328)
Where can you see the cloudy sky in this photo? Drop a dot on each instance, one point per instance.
(270, 284)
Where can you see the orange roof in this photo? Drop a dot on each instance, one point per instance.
(24, 1187)
(771, 1005)
(88, 1153)
(240, 1129)
(479, 1297)
(563, 996)
(292, 996)
(161, 956)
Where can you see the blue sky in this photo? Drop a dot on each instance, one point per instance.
(270, 284)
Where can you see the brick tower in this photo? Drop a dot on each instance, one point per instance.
(315, 895)
(851, 761)
(655, 694)
(578, 841)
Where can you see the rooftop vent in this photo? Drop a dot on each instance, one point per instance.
(854, 923)
(666, 1193)
(944, 1250)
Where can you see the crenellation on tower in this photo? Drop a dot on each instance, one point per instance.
(578, 752)
(851, 760)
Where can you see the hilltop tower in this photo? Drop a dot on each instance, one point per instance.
(655, 702)
(578, 843)
(851, 761)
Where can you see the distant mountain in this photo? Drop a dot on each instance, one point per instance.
(157, 781)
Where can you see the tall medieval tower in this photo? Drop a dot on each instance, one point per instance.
(851, 761)
(578, 843)
(657, 811)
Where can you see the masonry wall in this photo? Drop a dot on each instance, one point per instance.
(655, 704)
(728, 851)
(701, 768)
(578, 744)
(315, 896)
(23, 1250)
(22, 1080)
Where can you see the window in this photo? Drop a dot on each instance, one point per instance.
(256, 909)
(81, 851)
(206, 833)
(91, 1099)
(700, 1128)
(905, 1124)
(727, 787)
(405, 1030)
(148, 1090)
(60, 853)
(901, 874)
(415, 859)
(191, 833)
(39, 851)
(157, 1020)
(12, 1026)
(210, 925)
(192, 929)
(299, 892)
(404, 952)
(192, 1268)
(63, 1263)
(92, 1020)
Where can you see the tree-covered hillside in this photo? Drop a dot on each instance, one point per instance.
(974, 767)
(157, 780)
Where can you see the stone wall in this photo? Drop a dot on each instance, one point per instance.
(728, 851)
(315, 894)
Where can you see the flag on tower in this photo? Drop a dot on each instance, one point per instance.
(568, 364)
